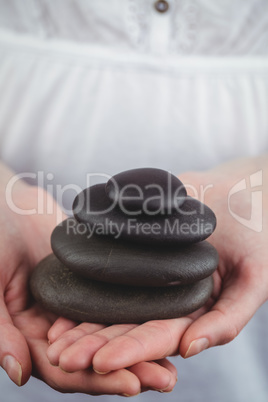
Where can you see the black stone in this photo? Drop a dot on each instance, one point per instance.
(192, 223)
(109, 260)
(149, 190)
(61, 291)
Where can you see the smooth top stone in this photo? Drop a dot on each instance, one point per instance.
(66, 294)
(193, 222)
(146, 190)
(104, 259)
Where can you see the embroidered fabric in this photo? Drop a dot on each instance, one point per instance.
(184, 26)
(195, 27)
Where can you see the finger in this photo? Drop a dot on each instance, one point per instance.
(121, 382)
(79, 355)
(192, 181)
(237, 304)
(158, 376)
(150, 341)
(60, 326)
(169, 366)
(68, 338)
(14, 352)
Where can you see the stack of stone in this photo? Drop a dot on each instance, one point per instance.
(134, 251)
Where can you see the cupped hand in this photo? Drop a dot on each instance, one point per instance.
(25, 240)
(34, 324)
(240, 284)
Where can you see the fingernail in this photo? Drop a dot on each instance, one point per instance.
(197, 346)
(100, 372)
(64, 371)
(129, 396)
(164, 392)
(13, 369)
(162, 389)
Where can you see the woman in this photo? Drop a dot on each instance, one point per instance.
(89, 87)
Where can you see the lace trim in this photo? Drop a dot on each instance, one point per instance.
(240, 32)
(184, 27)
(137, 22)
(184, 14)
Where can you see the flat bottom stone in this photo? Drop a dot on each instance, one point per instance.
(61, 291)
(101, 258)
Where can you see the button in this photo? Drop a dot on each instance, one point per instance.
(161, 6)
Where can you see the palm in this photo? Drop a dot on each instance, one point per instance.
(240, 287)
(24, 241)
(34, 324)
(24, 325)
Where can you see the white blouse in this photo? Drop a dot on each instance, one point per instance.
(90, 86)
(101, 86)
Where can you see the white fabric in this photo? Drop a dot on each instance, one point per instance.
(71, 108)
(103, 86)
(223, 27)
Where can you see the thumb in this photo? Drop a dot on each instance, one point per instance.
(14, 353)
(236, 305)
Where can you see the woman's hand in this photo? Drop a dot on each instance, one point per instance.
(240, 284)
(25, 240)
